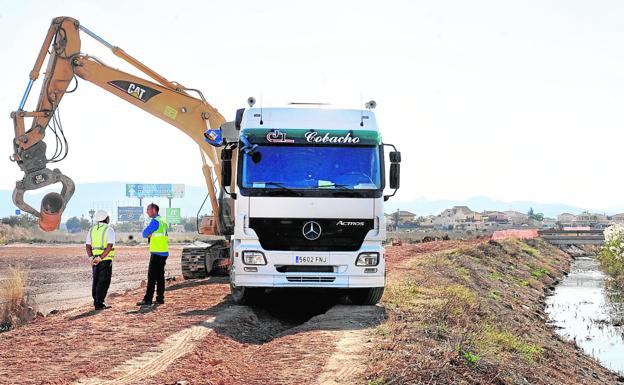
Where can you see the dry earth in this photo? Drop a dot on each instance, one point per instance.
(197, 336)
(60, 275)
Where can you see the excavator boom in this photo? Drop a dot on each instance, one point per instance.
(168, 101)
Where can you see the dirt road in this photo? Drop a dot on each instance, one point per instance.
(60, 276)
(198, 336)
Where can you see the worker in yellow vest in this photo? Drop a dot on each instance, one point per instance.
(100, 245)
(158, 237)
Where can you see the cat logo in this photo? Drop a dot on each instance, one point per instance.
(137, 91)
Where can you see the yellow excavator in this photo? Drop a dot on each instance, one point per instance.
(182, 107)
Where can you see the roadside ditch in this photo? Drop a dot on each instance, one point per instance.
(476, 315)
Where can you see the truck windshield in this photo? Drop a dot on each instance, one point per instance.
(313, 167)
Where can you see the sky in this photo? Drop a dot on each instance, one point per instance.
(506, 99)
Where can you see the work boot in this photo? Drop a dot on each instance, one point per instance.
(144, 303)
(160, 301)
(103, 306)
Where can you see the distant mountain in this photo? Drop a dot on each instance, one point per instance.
(424, 207)
(109, 195)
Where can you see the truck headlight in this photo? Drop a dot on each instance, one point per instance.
(367, 259)
(254, 258)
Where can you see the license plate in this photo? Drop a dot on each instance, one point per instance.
(311, 260)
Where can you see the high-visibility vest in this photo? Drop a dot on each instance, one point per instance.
(99, 241)
(159, 241)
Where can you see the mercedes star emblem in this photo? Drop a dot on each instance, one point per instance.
(311, 230)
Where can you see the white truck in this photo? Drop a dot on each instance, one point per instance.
(309, 202)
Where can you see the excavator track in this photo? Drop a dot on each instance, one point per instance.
(204, 260)
(193, 263)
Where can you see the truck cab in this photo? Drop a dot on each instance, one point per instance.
(309, 203)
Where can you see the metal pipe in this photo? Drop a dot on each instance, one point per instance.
(26, 93)
(96, 37)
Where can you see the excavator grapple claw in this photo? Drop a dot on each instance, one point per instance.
(53, 204)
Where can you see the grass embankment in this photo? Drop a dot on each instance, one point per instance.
(475, 316)
(14, 306)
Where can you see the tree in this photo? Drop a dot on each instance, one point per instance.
(190, 224)
(536, 216)
(85, 224)
(24, 220)
(73, 225)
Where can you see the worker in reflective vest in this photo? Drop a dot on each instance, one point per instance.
(157, 234)
(100, 245)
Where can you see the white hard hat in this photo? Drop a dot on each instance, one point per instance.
(101, 215)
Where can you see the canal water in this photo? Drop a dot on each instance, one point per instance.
(582, 309)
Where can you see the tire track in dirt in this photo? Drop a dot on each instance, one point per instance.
(354, 322)
(177, 345)
(346, 363)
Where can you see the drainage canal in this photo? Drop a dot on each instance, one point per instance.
(584, 310)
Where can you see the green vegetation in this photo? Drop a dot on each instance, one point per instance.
(529, 250)
(539, 272)
(465, 273)
(496, 276)
(75, 224)
(470, 358)
(536, 216)
(26, 221)
(611, 255)
(493, 341)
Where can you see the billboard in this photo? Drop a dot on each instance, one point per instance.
(166, 190)
(173, 216)
(129, 213)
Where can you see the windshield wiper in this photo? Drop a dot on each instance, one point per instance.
(281, 188)
(337, 185)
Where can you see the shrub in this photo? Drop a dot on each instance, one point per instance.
(14, 307)
(611, 255)
(10, 233)
(25, 220)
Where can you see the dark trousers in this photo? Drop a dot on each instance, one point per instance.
(156, 278)
(102, 273)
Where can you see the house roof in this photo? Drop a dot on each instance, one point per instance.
(402, 213)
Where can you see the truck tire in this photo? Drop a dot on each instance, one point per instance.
(242, 295)
(367, 296)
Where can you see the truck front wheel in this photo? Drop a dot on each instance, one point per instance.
(242, 295)
(367, 296)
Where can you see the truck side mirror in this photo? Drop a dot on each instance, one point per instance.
(395, 175)
(395, 170)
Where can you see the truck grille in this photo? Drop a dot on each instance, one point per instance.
(337, 234)
(310, 279)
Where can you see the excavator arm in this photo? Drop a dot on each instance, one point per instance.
(166, 100)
